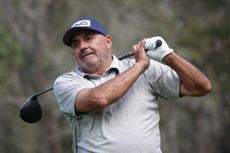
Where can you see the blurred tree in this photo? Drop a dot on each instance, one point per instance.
(32, 54)
(27, 22)
(203, 29)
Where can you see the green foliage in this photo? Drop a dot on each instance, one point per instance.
(11, 60)
(10, 49)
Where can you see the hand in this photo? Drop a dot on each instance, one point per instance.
(157, 53)
(140, 54)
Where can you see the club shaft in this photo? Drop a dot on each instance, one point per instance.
(42, 92)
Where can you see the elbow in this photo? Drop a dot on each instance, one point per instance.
(99, 100)
(88, 101)
(197, 90)
(205, 88)
(102, 103)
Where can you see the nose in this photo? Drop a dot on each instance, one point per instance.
(83, 44)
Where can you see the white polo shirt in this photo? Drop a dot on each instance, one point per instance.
(129, 125)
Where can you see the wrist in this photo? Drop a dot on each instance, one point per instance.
(141, 67)
(169, 58)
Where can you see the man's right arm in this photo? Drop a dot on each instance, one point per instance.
(97, 98)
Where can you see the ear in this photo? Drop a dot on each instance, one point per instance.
(108, 41)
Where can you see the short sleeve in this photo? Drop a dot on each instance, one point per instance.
(163, 80)
(66, 88)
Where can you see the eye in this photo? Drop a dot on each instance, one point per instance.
(88, 38)
(75, 44)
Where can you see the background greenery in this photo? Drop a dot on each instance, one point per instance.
(32, 55)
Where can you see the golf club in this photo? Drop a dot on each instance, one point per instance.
(31, 111)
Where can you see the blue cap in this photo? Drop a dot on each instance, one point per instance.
(83, 23)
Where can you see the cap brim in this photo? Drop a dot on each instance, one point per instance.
(68, 36)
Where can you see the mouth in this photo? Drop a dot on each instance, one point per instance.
(86, 54)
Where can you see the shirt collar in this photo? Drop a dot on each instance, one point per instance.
(114, 67)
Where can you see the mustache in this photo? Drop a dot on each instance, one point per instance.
(85, 52)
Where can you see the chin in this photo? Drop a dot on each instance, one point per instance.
(89, 66)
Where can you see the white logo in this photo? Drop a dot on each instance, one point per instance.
(82, 23)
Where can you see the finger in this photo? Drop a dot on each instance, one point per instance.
(135, 47)
(142, 44)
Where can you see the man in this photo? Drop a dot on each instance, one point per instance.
(111, 104)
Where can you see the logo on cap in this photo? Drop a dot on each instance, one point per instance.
(82, 23)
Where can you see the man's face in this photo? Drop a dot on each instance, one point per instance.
(92, 51)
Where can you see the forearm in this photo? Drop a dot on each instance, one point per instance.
(193, 81)
(108, 92)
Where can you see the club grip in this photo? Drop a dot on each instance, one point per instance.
(158, 44)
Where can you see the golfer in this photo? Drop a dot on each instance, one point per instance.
(112, 104)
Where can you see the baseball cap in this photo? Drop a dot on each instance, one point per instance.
(83, 23)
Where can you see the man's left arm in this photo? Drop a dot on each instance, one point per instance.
(193, 81)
